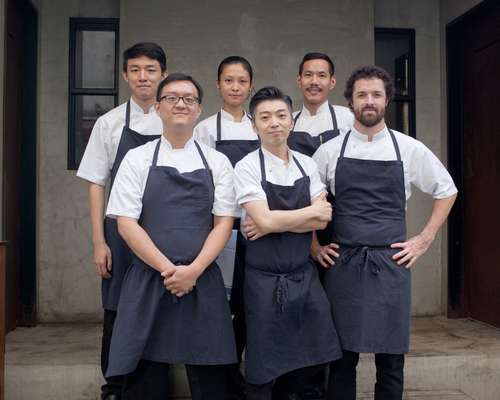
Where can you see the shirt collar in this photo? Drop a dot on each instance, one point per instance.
(136, 108)
(228, 117)
(276, 160)
(321, 109)
(165, 143)
(364, 138)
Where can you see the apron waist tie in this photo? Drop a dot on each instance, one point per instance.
(366, 260)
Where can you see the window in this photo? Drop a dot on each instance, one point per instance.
(395, 52)
(93, 78)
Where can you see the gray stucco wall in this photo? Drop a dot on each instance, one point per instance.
(68, 288)
(423, 16)
(273, 36)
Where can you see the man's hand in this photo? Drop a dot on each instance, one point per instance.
(322, 208)
(251, 229)
(413, 248)
(102, 259)
(325, 255)
(181, 280)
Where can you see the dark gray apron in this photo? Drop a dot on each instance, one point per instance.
(235, 150)
(289, 325)
(368, 291)
(305, 143)
(152, 323)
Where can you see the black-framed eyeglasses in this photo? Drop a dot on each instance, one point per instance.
(174, 99)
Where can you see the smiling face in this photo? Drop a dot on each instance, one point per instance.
(143, 76)
(178, 116)
(315, 82)
(234, 85)
(273, 122)
(369, 101)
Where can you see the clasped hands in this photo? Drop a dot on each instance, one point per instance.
(180, 279)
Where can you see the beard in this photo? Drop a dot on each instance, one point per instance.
(372, 119)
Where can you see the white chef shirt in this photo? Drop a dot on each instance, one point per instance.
(248, 177)
(128, 189)
(421, 167)
(101, 149)
(206, 130)
(322, 120)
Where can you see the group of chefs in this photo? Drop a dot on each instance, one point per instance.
(315, 203)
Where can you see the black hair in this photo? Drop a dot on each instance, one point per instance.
(369, 72)
(268, 93)
(235, 60)
(317, 56)
(179, 76)
(146, 49)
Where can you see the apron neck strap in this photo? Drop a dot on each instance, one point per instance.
(262, 166)
(219, 129)
(296, 119)
(127, 115)
(205, 163)
(300, 167)
(395, 142)
(334, 117)
(344, 143)
(155, 156)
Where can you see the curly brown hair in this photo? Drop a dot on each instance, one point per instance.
(369, 72)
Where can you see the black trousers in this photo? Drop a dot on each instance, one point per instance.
(289, 386)
(149, 381)
(390, 377)
(113, 384)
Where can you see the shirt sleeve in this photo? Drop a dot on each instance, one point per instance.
(95, 166)
(317, 186)
(247, 182)
(125, 199)
(224, 198)
(429, 175)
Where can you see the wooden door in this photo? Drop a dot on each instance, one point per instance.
(481, 164)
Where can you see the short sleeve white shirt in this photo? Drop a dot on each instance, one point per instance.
(206, 130)
(101, 149)
(421, 167)
(128, 188)
(322, 120)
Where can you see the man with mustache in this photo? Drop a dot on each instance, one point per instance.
(316, 123)
(370, 171)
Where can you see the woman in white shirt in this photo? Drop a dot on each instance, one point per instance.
(230, 131)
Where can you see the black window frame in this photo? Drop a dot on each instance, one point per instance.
(410, 98)
(87, 24)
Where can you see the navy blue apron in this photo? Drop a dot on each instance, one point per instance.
(151, 323)
(235, 150)
(368, 291)
(289, 325)
(307, 144)
(121, 256)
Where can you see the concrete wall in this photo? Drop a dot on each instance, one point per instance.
(68, 288)
(273, 35)
(423, 16)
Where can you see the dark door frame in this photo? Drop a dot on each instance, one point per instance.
(28, 136)
(457, 306)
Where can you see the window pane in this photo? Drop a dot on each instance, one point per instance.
(95, 59)
(87, 110)
(397, 116)
(392, 51)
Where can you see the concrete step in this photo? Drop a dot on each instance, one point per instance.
(449, 360)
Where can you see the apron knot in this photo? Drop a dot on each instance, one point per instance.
(282, 293)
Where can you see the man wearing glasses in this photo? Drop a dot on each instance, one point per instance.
(174, 202)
